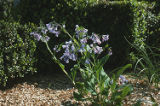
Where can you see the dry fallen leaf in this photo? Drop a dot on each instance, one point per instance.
(56, 90)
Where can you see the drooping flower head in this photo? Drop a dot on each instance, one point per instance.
(80, 32)
(36, 35)
(95, 38)
(105, 38)
(44, 30)
(122, 79)
(65, 57)
(83, 40)
(110, 52)
(53, 28)
(97, 50)
(69, 52)
(45, 39)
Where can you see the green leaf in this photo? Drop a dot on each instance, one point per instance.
(79, 85)
(104, 77)
(105, 91)
(104, 80)
(74, 72)
(113, 85)
(125, 91)
(103, 60)
(84, 76)
(121, 70)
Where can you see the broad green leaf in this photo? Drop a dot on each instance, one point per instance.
(125, 91)
(103, 60)
(113, 85)
(103, 77)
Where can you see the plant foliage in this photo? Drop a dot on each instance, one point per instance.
(16, 52)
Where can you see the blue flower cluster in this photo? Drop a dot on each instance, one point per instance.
(71, 49)
(53, 28)
(80, 32)
(69, 52)
(122, 79)
(41, 35)
(36, 35)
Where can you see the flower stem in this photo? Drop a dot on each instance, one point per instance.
(65, 31)
(58, 62)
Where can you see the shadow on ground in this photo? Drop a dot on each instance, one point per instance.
(50, 80)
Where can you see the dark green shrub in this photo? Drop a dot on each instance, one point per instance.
(154, 26)
(17, 51)
(118, 19)
(5, 9)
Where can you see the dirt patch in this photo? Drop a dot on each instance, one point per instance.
(56, 89)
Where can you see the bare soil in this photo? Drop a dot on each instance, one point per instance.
(56, 90)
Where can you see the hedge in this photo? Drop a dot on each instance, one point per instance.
(154, 26)
(118, 19)
(17, 49)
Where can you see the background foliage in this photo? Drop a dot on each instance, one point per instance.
(137, 21)
(114, 22)
(16, 52)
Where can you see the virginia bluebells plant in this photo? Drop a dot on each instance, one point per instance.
(84, 50)
(41, 33)
(83, 40)
(71, 49)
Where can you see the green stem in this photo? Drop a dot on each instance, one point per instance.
(58, 62)
(71, 37)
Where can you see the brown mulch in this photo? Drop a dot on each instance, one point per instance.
(56, 90)
(142, 92)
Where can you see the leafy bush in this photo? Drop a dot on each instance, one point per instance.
(86, 14)
(17, 51)
(154, 26)
(132, 21)
(5, 9)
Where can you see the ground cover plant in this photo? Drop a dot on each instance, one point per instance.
(148, 63)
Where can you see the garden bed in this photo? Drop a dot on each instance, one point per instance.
(56, 89)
